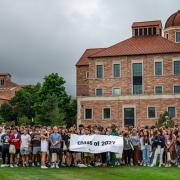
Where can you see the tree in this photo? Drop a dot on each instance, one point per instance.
(49, 113)
(71, 112)
(6, 112)
(165, 120)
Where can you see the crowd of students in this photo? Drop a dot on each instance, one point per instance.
(49, 147)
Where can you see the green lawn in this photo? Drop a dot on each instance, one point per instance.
(131, 173)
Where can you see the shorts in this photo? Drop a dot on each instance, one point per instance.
(36, 150)
(56, 150)
(24, 150)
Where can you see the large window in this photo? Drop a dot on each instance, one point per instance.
(1, 82)
(116, 70)
(137, 78)
(158, 90)
(99, 92)
(151, 112)
(176, 89)
(177, 67)
(178, 37)
(116, 91)
(99, 71)
(88, 113)
(172, 112)
(107, 113)
(158, 68)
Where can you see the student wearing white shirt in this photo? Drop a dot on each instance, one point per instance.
(24, 149)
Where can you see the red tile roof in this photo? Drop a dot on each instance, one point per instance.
(140, 46)
(147, 23)
(83, 61)
(6, 96)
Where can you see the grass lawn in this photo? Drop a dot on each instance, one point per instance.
(131, 173)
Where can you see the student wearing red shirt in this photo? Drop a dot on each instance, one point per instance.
(15, 140)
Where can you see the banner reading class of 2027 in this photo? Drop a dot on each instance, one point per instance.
(96, 143)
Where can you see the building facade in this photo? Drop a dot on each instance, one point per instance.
(7, 88)
(132, 82)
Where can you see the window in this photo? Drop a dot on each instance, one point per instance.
(167, 36)
(137, 78)
(145, 31)
(2, 82)
(151, 112)
(172, 112)
(149, 31)
(106, 113)
(116, 70)
(116, 91)
(158, 68)
(99, 92)
(158, 90)
(88, 113)
(99, 71)
(177, 37)
(137, 89)
(176, 89)
(87, 75)
(154, 31)
(136, 32)
(140, 32)
(177, 67)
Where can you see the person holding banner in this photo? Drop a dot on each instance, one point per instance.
(112, 154)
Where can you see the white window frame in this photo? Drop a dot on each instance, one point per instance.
(176, 35)
(85, 113)
(173, 88)
(175, 59)
(129, 106)
(87, 74)
(116, 62)
(158, 86)
(102, 91)
(102, 69)
(132, 62)
(158, 60)
(148, 112)
(175, 111)
(106, 119)
(113, 91)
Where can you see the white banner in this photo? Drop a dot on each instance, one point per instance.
(96, 143)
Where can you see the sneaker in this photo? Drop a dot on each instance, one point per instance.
(4, 165)
(15, 165)
(81, 165)
(53, 165)
(57, 165)
(179, 166)
(152, 165)
(11, 166)
(33, 165)
(44, 167)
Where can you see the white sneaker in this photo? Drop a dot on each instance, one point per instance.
(81, 165)
(11, 166)
(53, 165)
(4, 165)
(57, 166)
(152, 165)
(44, 167)
(15, 165)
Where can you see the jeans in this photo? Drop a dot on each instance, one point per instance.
(146, 154)
(178, 154)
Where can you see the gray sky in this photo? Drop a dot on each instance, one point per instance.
(38, 37)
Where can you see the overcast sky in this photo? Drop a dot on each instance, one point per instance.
(38, 37)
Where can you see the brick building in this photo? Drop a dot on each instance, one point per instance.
(7, 88)
(132, 82)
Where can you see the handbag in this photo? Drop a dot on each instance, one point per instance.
(12, 149)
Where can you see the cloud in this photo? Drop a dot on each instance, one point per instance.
(38, 37)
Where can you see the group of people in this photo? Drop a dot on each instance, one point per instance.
(49, 147)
